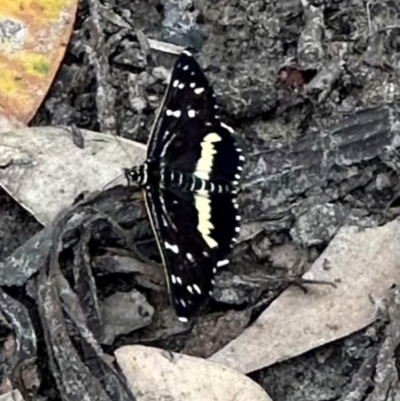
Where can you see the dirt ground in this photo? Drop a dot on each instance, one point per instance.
(282, 71)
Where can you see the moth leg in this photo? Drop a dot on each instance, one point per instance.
(302, 282)
(263, 280)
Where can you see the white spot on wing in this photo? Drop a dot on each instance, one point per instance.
(227, 127)
(190, 289)
(176, 113)
(179, 280)
(189, 257)
(181, 85)
(173, 279)
(185, 67)
(237, 229)
(193, 84)
(183, 319)
(242, 158)
(237, 176)
(238, 218)
(197, 288)
(175, 83)
(191, 113)
(222, 262)
(183, 303)
(198, 91)
(174, 248)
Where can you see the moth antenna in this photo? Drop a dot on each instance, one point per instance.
(115, 136)
(118, 133)
(112, 181)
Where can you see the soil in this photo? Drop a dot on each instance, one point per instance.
(281, 70)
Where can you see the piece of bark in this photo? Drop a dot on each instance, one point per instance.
(69, 312)
(363, 265)
(76, 360)
(24, 348)
(31, 256)
(98, 58)
(324, 168)
(386, 377)
(310, 47)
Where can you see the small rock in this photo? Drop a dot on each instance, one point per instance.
(124, 312)
(162, 74)
(132, 57)
(382, 181)
(250, 230)
(286, 256)
(261, 247)
(230, 289)
(318, 224)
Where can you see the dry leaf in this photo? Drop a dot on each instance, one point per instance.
(12, 396)
(44, 170)
(155, 374)
(363, 264)
(33, 40)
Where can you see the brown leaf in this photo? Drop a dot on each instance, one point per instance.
(33, 40)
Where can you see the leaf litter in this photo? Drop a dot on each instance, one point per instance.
(285, 200)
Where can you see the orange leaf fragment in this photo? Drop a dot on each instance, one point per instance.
(33, 39)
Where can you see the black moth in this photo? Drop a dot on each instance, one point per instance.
(190, 181)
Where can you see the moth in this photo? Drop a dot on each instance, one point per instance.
(190, 181)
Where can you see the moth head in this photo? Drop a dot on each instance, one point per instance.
(136, 174)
